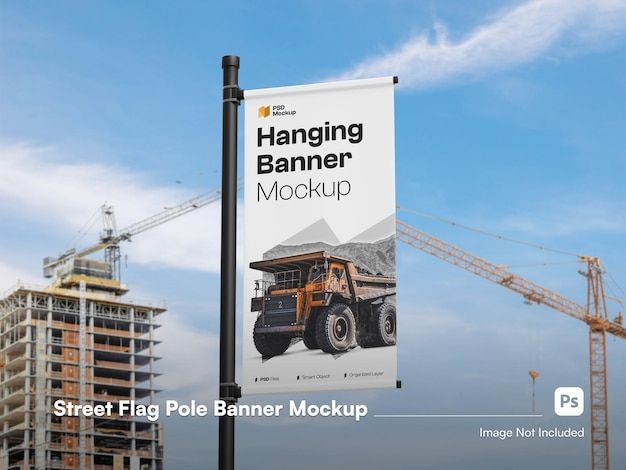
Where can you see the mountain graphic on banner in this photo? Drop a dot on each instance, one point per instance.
(319, 231)
(376, 256)
(379, 231)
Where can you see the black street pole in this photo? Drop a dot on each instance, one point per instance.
(229, 390)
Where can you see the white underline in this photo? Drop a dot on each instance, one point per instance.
(458, 416)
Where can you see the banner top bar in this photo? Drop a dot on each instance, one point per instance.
(288, 90)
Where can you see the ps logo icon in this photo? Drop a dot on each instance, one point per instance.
(569, 401)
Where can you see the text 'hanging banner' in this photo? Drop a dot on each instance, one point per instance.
(320, 250)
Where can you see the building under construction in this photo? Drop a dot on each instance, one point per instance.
(80, 341)
(77, 340)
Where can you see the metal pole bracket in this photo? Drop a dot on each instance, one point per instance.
(232, 93)
(230, 392)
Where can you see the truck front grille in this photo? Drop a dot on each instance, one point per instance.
(280, 310)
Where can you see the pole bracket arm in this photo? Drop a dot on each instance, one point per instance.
(230, 392)
(232, 94)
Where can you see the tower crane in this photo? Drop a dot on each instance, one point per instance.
(72, 266)
(594, 313)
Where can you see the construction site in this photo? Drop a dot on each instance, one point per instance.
(78, 339)
(81, 341)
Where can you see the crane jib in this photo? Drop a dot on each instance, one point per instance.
(531, 291)
(148, 223)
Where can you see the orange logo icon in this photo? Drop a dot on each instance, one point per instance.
(264, 111)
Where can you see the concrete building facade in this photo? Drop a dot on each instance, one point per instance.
(81, 342)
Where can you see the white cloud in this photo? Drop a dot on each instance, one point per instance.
(516, 36)
(43, 188)
(190, 359)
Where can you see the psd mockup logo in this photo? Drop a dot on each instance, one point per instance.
(264, 111)
(569, 401)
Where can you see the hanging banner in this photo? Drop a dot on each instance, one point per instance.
(320, 272)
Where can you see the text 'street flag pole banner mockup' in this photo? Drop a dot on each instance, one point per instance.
(320, 271)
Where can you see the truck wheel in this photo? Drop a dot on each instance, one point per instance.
(335, 329)
(271, 344)
(310, 334)
(384, 323)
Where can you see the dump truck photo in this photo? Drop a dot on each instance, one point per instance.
(324, 300)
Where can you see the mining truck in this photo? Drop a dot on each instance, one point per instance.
(324, 300)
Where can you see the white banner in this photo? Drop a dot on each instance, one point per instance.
(320, 272)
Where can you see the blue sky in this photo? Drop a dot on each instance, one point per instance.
(509, 117)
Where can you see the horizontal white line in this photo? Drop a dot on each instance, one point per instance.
(458, 416)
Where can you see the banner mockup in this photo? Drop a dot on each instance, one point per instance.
(319, 292)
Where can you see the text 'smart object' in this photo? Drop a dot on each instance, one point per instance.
(320, 270)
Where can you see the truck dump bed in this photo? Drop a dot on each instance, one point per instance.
(304, 262)
(365, 286)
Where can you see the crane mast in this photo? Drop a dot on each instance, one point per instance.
(597, 311)
(594, 313)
